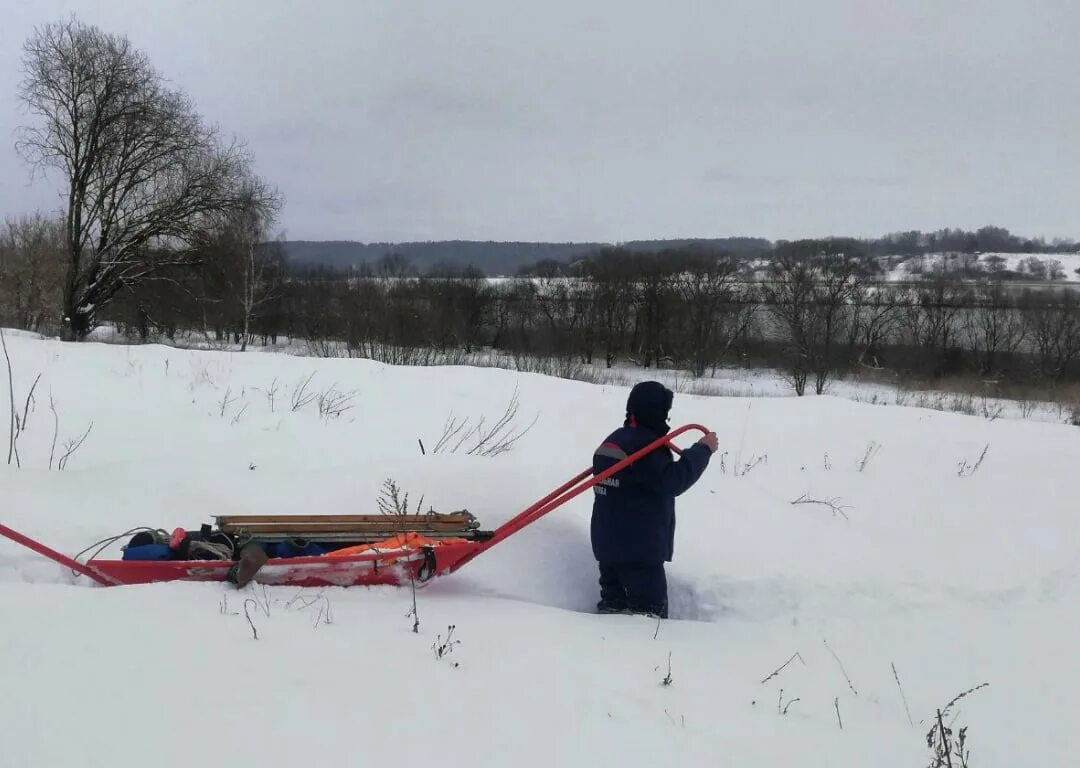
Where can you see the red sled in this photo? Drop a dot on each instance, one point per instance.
(379, 565)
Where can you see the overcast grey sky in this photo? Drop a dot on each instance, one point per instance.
(580, 120)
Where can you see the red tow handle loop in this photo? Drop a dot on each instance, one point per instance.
(576, 486)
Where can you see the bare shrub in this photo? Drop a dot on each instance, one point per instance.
(17, 424)
(271, 393)
(962, 403)
(940, 739)
(333, 403)
(990, 409)
(300, 395)
(394, 502)
(227, 400)
(444, 648)
(73, 445)
(12, 434)
(480, 439)
(328, 348)
(965, 469)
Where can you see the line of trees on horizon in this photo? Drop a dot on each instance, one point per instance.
(508, 258)
(820, 310)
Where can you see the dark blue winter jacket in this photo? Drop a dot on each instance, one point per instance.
(633, 518)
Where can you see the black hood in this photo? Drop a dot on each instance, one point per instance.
(648, 405)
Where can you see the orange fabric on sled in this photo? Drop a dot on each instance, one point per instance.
(401, 541)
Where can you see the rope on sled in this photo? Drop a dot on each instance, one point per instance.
(105, 543)
(213, 550)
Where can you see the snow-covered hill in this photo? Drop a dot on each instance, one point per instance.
(935, 569)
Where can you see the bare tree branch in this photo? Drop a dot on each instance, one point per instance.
(11, 396)
(832, 503)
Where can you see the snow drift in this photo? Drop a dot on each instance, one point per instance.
(945, 555)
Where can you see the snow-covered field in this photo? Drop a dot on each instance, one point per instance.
(1012, 262)
(959, 573)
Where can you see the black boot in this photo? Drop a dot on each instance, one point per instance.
(252, 557)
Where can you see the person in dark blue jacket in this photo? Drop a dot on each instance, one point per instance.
(633, 519)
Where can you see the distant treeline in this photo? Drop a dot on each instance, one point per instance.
(489, 257)
(813, 308)
(818, 311)
(511, 258)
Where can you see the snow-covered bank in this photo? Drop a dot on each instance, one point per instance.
(972, 396)
(957, 575)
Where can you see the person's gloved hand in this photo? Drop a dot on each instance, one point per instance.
(711, 442)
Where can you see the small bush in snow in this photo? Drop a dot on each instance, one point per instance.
(300, 395)
(949, 751)
(333, 403)
(16, 425)
(395, 503)
(443, 648)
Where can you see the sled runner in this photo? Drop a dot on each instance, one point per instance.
(349, 550)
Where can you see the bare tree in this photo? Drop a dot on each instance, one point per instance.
(932, 315)
(714, 317)
(994, 327)
(811, 289)
(249, 261)
(143, 173)
(877, 309)
(611, 282)
(31, 270)
(653, 300)
(1053, 324)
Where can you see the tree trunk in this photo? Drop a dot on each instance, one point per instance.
(78, 323)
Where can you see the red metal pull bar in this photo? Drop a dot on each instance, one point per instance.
(52, 554)
(541, 508)
(573, 487)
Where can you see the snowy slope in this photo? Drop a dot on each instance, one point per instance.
(957, 580)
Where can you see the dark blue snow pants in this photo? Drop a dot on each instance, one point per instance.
(633, 587)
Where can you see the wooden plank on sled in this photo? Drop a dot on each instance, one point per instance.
(345, 528)
(463, 517)
(457, 522)
(360, 538)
